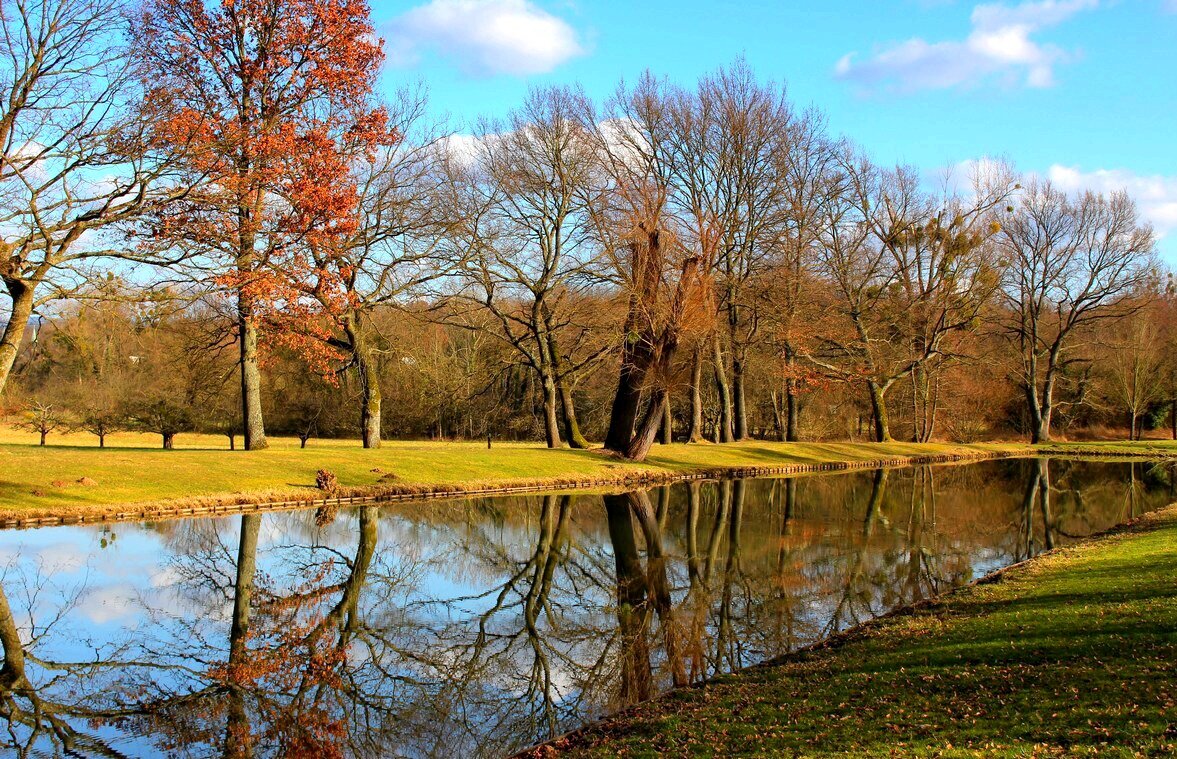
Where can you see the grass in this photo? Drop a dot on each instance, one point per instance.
(1074, 653)
(134, 471)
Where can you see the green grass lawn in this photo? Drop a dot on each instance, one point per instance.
(1074, 654)
(36, 481)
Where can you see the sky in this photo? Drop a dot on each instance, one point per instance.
(1081, 91)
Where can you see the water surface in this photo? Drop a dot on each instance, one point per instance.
(479, 627)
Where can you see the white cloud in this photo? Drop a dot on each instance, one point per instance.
(1155, 195)
(1000, 47)
(485, 36)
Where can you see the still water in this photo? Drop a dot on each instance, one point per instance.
(479, 627)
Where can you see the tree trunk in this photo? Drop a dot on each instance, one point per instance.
(21, 294)
(1173, 418)
(726, 434)
(251, 380)
(372, 401)
(792, 412)
(102, 440)
(169, 439)
(636, 362)
(572, 432)
(878, 405)
(551, 422)
(777, 420)
(739, 399)
(666, 435)
(695, 432)
(643, 438)
(302, 441)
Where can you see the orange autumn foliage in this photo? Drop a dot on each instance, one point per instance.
(267, 103)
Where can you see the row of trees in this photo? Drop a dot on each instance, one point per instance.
(709, 255)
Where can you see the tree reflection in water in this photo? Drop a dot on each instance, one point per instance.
(479, 627)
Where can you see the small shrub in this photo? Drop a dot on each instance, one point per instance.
(326, 481)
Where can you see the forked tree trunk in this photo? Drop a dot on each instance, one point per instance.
(169, 440)
(572, 433)
(647, 431)
(568, 420)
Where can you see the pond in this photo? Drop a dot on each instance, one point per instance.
(479, 627)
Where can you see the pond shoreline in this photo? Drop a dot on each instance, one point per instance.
(238, 503)
(627, 727)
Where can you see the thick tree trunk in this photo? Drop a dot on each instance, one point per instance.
(695, 431)
(21, 294)
(368, 372)
(251, 381)
(626, 402)
(169, 441)
(44, 434)
(878, 405)
(647, 431)
(102, 440)
(739, 399)
(792, 412)
(726, 433)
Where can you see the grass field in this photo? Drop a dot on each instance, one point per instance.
(1073, 654)
(73, 476)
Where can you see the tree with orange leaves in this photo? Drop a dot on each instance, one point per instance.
(270, 100)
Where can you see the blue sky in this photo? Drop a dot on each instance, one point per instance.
(1083, 91)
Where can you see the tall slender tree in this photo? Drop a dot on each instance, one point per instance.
(269, 99)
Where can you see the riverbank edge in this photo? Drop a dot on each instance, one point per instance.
(577, 740)
(238, 503)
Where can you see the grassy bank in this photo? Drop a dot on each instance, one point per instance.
(1074, 653)
(71, 477)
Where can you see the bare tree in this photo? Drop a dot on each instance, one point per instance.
(72, 164)
(396, 247)
(1070, 263)
(527, 240)
(908, 271)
